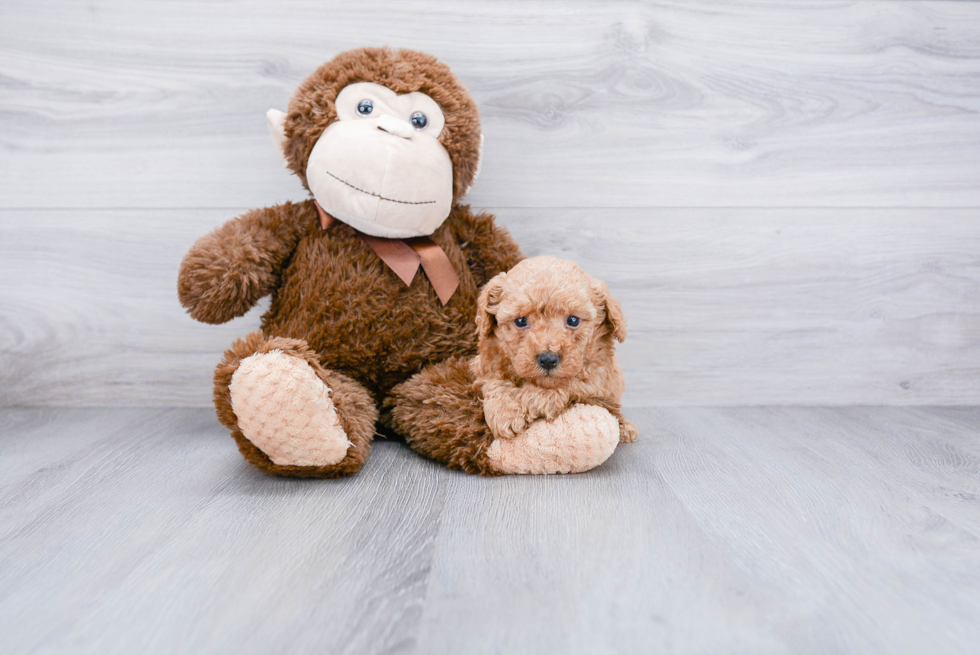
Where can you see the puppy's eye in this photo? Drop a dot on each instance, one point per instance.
(419, 121)
(573, 321)
(521, 322)
(365, 107)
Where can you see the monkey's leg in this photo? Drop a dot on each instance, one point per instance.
(288, 414)
(440, 414)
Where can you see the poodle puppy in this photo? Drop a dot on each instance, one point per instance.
(546, 332)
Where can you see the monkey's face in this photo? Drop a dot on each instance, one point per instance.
(385, 140)
(379, 166)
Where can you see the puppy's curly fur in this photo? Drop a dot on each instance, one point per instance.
(546, 341)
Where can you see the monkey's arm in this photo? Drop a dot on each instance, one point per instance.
(225, 273)
(489, 248)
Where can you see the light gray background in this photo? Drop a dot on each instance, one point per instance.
(784, 195)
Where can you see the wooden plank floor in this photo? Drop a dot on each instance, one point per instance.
(761, 530)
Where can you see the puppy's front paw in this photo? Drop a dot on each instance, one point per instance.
(545, 403)
(504, 416)
(506, 428)
(627, 431)
(510, 429)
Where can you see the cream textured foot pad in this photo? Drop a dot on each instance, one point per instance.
(582, 438)
(285, 410)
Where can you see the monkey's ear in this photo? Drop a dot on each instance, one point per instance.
(615, 318)
(277, 128)
(486, 306)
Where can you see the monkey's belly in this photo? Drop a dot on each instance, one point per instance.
(369, 325)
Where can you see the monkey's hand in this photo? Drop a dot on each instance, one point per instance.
(226, 272)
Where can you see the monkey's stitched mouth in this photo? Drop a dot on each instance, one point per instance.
(378, 195)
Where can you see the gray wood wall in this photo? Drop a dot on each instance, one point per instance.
(784, 195)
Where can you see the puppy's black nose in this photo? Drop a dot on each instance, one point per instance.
(548, 360)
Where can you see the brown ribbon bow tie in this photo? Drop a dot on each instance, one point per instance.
(403, 256)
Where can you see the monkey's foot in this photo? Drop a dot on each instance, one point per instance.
(581, 438)
(285, 410)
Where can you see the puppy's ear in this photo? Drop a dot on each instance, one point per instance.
(615, 318)
(486, 306)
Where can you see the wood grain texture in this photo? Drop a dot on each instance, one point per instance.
(725, 307)
(149, 533)
(585, 104)
(742, 530)
(610, 128)
(763, 530)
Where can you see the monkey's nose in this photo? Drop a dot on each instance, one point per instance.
(392, 125)
(548, 360)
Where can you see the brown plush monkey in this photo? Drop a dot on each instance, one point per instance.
(374, 278)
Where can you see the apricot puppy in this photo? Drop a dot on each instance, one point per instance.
(546, 332)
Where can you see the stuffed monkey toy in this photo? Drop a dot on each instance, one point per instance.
(373, 279)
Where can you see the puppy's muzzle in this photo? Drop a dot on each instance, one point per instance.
(548, 360)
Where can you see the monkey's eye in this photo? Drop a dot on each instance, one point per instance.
(365, 107)
(573, 321)
(521, 322)
(419, 121)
